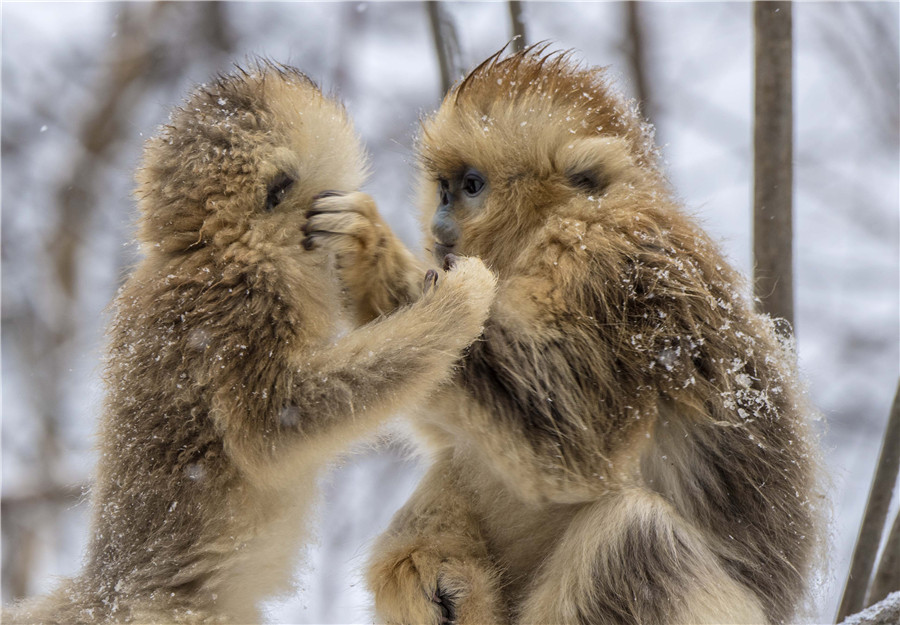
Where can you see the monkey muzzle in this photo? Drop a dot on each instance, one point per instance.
(445, 230)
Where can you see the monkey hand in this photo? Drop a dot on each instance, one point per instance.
(466, 289)
(377, 270)
(419, 582)
(346, 224)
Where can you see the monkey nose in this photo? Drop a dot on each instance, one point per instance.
(445, 230)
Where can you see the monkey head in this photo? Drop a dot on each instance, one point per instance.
(520, 140)
(243, 159)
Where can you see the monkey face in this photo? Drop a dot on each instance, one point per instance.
(522, 143)
(459, 196)
(243, 160)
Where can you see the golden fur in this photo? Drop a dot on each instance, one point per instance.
(227, 388)
(627, 443)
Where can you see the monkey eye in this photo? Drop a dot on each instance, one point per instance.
(587, 181)
(444, 191)
(472, 183)
(278, 188)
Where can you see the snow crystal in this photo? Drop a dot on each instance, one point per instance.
(668, 358)
(743, 380)
(195, 472)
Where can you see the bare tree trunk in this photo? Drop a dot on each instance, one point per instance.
(872, 527)
(773, 166)
(635, 48)
(518, 25)
(887, 577)
(446, 44)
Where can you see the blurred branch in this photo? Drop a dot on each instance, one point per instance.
(69, 494)
(132, 57)
(863, 38)
(446, 45)
(773, 145)
(25, 534)
(17, 563)
(877, 506)
(352, 22)
(887, 577)
(135, 65)
(886, 612)
(635, 48)
(518, 25)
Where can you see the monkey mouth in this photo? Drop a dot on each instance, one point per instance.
(442, 249)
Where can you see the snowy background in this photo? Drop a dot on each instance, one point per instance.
(84, 84)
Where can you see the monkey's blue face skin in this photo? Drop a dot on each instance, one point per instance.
(459, 195)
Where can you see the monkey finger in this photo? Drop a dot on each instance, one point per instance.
(356, 202)
(349, 224)
(311, 240)
(446, 606)
(431, 278)
(315, 211)
(450, 261)
(328, 193)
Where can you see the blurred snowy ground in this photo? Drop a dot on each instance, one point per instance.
(379, 58)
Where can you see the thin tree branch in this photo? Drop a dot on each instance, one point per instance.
(68, 494)
(446, 44)
(773, 164)
(635, 28)
(877, 506)
(518, 25)
(887, 577)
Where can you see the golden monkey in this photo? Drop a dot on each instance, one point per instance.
(227, 389)
(627, 443)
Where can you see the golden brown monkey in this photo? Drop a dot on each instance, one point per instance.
(227, 388)
(627, 443)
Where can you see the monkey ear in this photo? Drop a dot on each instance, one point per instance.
(594, 163)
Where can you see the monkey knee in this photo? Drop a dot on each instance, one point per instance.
(631, 560)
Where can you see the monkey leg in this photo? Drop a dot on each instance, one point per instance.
(432, 565)
(378, 271)
(630, 559)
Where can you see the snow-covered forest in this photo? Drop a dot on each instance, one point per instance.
(84, 84)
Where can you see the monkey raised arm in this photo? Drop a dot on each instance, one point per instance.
(346, 388)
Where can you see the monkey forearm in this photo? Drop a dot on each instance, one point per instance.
(395, 360)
